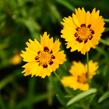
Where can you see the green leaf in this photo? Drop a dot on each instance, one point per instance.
(101, 51)
(2, 103)
(106, 20)
(32, 26)
(37, 98)
(106, 29)
(81, 96)
(54, 11)
(105, 42)
(8, 79)
(59, 93)
(103, 97)
(66, 4)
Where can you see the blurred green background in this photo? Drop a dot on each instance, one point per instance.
(24, 19)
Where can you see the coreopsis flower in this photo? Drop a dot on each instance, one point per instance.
(82, 30)
(42, 57)
(79, 76)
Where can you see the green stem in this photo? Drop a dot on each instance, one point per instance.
(87, 64)
(59, 78)
(50, 91)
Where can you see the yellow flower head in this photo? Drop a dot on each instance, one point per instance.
(79, 77)
(82, 30)
(42, 58)
(16, 59)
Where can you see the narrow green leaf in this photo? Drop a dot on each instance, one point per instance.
(103, 97)
(7, 80)
(32, 26)
(81, 96)
(37, 98)
(59, 93)
(2, 103)
(54, 11)
(66, 4)
(106, 29)
(101, 51)
(105, 42)
(106, 20)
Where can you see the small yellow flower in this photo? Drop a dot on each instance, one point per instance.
(79, 77)
(42, 58)
(82, 30)
(16, 59)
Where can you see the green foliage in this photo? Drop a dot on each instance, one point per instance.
(81, 96)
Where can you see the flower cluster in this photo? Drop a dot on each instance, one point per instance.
(81, 31)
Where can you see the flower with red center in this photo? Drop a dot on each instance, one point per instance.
(42, 58)
(82, 30)
(79, 76)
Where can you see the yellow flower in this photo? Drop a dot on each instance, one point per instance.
(42, 58)
(79, 77)
(82, 30)
(16, 59)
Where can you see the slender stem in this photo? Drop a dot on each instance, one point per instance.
(59, 78)
(87, 64)
(50, 91)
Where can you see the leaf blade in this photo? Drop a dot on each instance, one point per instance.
(103, 97)
(80, 96)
